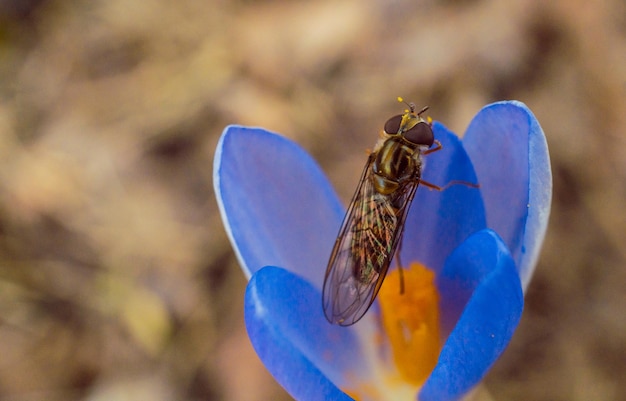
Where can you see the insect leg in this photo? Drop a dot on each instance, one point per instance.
(449, 184)
(399, 263)
(436, 148)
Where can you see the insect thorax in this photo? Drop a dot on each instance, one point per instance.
(396, 162)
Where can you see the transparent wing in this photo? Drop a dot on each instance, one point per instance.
(367, 241)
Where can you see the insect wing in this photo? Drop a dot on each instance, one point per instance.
(366, 243)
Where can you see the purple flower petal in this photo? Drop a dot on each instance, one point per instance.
(288, 330)
(482, 267)
(440, 220)
(278, 207)
(510, 155)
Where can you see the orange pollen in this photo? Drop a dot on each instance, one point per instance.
(411, 321)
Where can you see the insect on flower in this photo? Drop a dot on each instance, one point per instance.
(372, 229)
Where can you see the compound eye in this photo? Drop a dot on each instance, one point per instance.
(420, 134)
(392, 126)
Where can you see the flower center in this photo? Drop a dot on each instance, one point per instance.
(410, 329)
(411, 321)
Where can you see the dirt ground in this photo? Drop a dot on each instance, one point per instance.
(117, 281)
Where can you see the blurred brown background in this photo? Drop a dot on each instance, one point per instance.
(117, 281)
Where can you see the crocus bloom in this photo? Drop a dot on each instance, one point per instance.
(469, 255)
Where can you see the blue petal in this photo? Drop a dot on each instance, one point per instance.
(298, 346)
(510, 154)
(440, 220)
(278, 207)
(482, 271)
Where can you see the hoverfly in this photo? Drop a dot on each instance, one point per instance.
(372, 228)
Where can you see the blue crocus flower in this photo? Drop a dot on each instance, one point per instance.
(470, 253)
